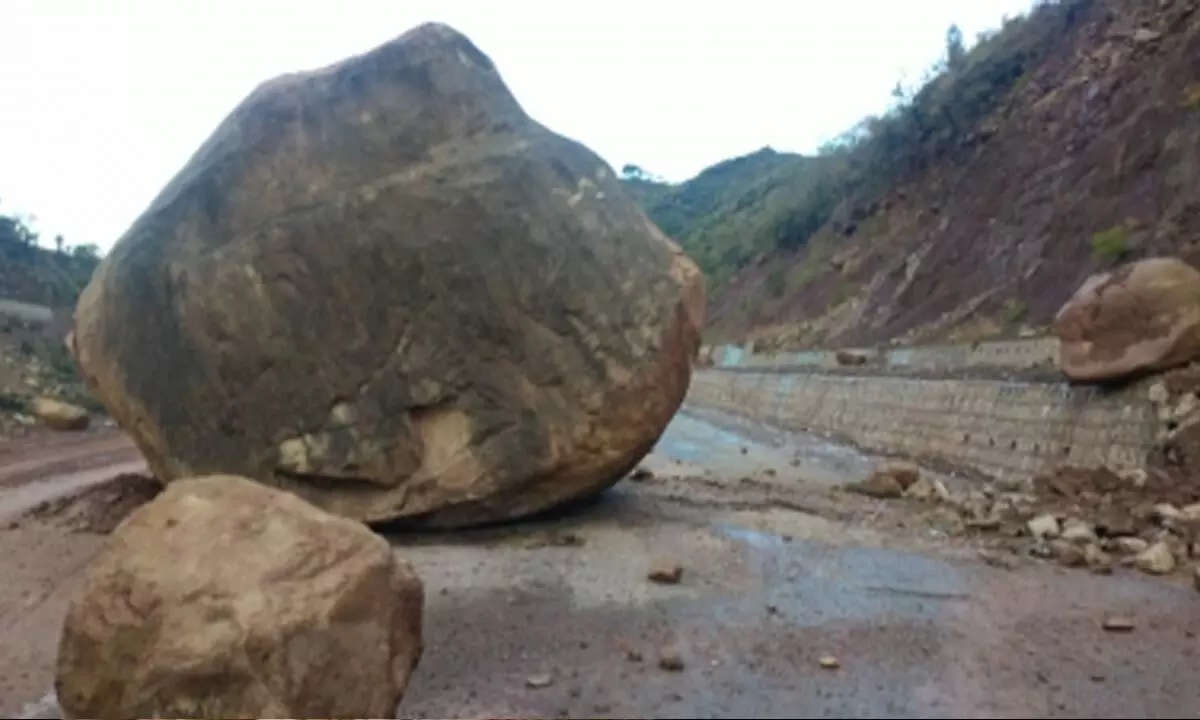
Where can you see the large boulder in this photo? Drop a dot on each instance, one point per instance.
(223, 598)
(386, 288)
(1139, 318)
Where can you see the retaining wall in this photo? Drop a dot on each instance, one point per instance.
(998, 428)
(997, 354)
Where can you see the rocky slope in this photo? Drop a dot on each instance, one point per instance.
(1063, 144)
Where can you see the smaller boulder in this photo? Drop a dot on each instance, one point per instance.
(877, 485)
(1142, 317)
(59, 415)
(225, 598)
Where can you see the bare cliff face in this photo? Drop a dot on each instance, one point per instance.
(385, 287)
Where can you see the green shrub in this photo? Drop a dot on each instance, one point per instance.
(1111, 244)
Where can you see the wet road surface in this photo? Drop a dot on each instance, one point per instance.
(764, 596)
(918, 628)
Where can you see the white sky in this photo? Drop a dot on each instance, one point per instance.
(104, 100)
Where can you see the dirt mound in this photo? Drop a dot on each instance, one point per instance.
(99, 508)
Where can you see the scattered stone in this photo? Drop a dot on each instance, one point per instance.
(641, 474)
(1165, 513)
(947, 521)
(1142, 316)
(1178, 548)
(555, 538)
(1136, 477)
(1118, 623)
(632, 654)
(879, 486)
(59, 415)
(985, 524)
(1012, 484)
(1157, 393)
(1130, 545)
(974, 504)
(1156, 559)
(1190, 513)
(1097, 560)
(906, 474)
(829, 662)
(1115, 522)
(1041, 549)
(666, 573)
(274, 370)
(540, 680)
(1078, 532)
(745, 450)
(1004, 561)
(1014, 505)
(1043, 527)
(1143, 36)
(927, 489)
(1068, 554)
(221, 573)
(670, 659)
(1196, 577)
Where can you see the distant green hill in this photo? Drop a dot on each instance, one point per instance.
(739, 209)
(34, 274)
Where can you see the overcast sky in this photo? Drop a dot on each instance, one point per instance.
(104, 100)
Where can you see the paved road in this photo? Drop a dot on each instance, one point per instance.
(766, 593)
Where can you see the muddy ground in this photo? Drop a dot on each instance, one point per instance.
(795, 599)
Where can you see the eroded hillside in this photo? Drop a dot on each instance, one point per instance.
(1063, 144)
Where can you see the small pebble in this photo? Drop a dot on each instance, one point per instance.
(670, 660)
(1118, 623)
(539, 680)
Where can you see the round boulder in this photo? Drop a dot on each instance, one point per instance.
(224, 598)
(1142, 317)
(383, 286)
